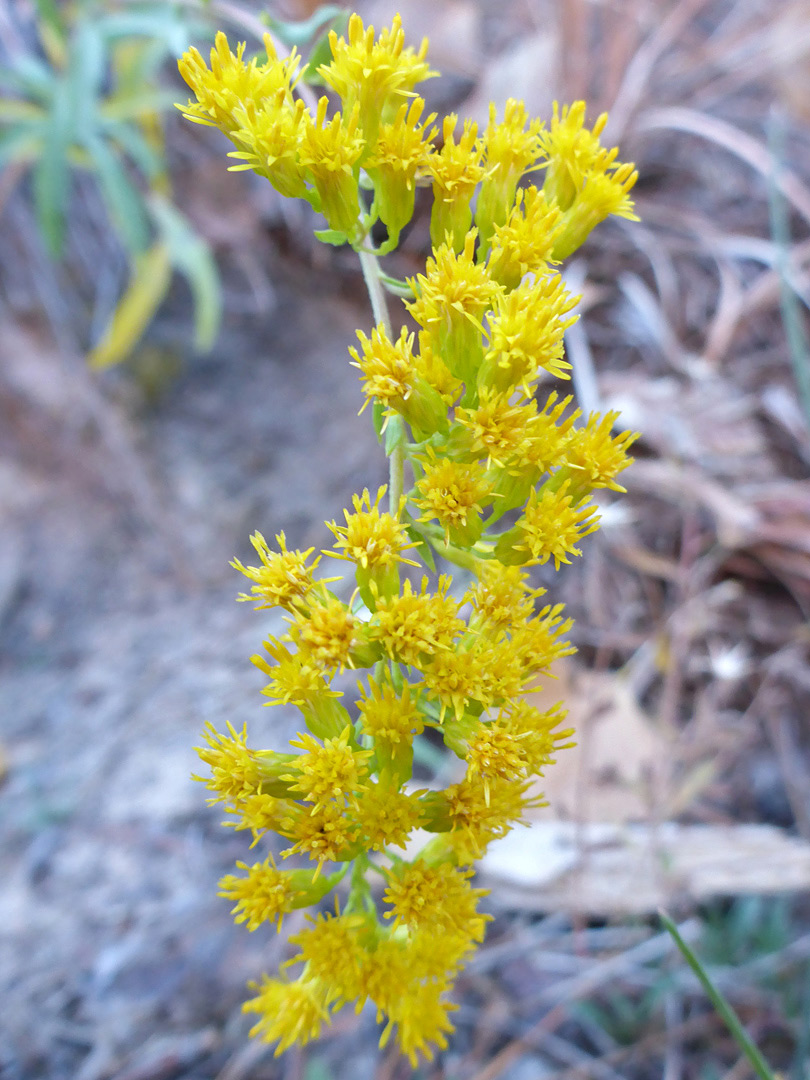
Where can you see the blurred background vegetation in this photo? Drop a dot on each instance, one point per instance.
(173, 375)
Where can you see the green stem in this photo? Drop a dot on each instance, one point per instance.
(379, 309)
(741, 1036)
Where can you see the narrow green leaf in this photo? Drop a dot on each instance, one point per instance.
(191, 256)
(52, 177)
(130, 140)
(299, 33)
(86, 71)
(122, 199)
(741, 1036)
(331, 236)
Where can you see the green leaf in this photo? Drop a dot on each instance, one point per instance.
(191, 256)
(21, 144)
(86, 69)
(31, 77)
(299, 33)
(724, 1009)
(52, 177)
(424, 550)
(331, 236)
(135, 146)
(124, 202)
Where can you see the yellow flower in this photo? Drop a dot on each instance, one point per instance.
(483, 672)
(402, 148)
(512, 147)
(290, 1012)
(386, 715)
(537, 642)
(386, 816)
(604, 193)
(436, 898)
(526, 334)
(375, 76)
(297, 680)
(412, 624)
(236, 770)
(283, 579)
(420, 1016)
(269, 135)
(498, 428)
(329, 770)
(571, 151)
(390, 374)
(330, 153)
(525, 242)
(223, 89)
(456, 170)
(454, 493)
(332, 947)
(324, 633)
(479, 814)
(501, 598)
(598, 456)
(375, 542)
(537, 733)
(324, 834)
(583, 178)
(451, 298)
(266, 894)
(260, 813)
(552, 525)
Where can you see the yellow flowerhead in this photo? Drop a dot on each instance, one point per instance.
(497, 427)
(325, 633)
(454, 493)
(456, 170)
(377, 76)
(230, 83)
(266, 894)
(436, 898)
(412, 624)
(330, 152)
(551, 527)
(512, 147)
(401, 151)
(451, 299)
(332, 947)
(236, 770)
(524, 243)
(597, 455)
(386, 816)
(324, 834)
(389, 715)
(290, 1012)
(391, 375)
(283, 580)
(526, 334)
(501, 598)
(372, 540)
(269, 135)
(328, 770)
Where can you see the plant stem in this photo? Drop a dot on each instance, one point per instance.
(379, 309)
(741, 1036)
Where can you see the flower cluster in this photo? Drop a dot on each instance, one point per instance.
(502, 477)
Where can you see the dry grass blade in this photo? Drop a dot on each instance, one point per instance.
(637, 76)
(743, 146)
